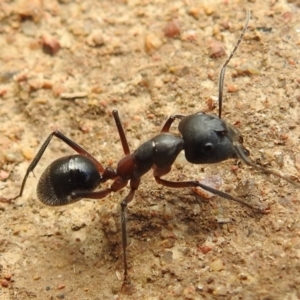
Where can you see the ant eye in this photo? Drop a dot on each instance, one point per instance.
(208, 147)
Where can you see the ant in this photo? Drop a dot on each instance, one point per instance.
(205, 139)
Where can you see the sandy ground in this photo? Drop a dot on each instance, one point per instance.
(67, 64)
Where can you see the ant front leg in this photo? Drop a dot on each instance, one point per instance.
(184, 184)
(170, 121)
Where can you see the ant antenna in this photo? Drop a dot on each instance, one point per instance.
(222, 73)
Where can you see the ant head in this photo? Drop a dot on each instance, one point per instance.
(207, 139)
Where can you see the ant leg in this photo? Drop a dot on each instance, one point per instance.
(42, 149)
(183, 184)
(117, 185)
(134, 184)
(170, 121)
(121, 132)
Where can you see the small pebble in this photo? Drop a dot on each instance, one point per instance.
(172, 29)
(209, 9)
(189, 292)
(30, 9)
(3, 175)
(7, 276)
(98, 39)
(232, 88)
(244, 187)
(36, 83)
(176, 289)
(246, 70)
(166, 234)
(217, 265)
(180, 70)
(50, 44)
(287, 17)
(195, 11)
(73, 96)
(29, 28)
(4, 283)
(167, 257)
(61, 286)
(242, 276)
(14, 156)
(152, 43)
(95, 39)
(216, 49)
(205, 249)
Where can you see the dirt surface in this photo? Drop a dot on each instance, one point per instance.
(66, 65)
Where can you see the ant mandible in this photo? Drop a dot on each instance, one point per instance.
(204, 138)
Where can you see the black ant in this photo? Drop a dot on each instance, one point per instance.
(204, 138)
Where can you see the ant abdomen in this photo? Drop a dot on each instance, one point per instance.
(65, 177)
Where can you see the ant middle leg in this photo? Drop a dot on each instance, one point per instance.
(134, 184)
(121, 132)
(117, 185)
